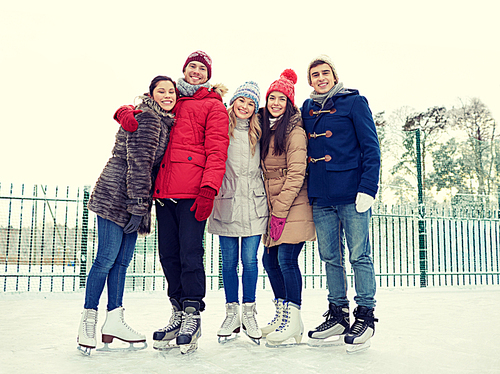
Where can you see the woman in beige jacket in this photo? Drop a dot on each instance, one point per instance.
(284, 162)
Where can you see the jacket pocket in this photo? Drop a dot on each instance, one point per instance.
(342, 179)
(224, 205)
(260, 200)
(188, 157)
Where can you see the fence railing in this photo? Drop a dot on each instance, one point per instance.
(48, 240)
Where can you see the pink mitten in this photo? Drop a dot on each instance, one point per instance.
(277, 226)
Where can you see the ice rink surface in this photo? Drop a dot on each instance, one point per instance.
(432, 330)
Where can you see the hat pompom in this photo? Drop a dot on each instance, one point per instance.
(290, 75)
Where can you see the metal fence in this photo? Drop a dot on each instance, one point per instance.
(48, 240)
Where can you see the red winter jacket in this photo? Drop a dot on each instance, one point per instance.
(197, 151)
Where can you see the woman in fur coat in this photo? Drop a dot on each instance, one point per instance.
(122, 200)
(240, 213)
(284, 162)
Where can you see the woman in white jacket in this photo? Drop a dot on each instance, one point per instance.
(240, 212)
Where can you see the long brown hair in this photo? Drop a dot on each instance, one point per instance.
(280, 130)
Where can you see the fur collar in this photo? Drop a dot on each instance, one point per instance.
(220, 89)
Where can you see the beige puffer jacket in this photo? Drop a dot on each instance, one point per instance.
(286, 187)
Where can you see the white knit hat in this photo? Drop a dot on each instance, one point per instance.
(324, 59)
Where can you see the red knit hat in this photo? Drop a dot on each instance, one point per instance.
(285, 85)
(201, 57)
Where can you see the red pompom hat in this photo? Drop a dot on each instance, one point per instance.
(285, 84)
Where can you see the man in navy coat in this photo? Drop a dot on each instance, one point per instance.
(343, 176)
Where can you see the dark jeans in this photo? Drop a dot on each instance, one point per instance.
(180, 242)
(282, 267)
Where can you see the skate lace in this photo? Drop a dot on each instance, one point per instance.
(127, 326)
(89, 326)
(358, 327)
(175, 320)
(249, 319)
(189, 324)
(277, 315)
(229, 320)
(331, 319)
(284, 319)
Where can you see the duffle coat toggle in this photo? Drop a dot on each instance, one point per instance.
(327, 158)
(318, 112)
(313, 135)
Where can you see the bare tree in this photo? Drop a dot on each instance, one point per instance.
(475, 118)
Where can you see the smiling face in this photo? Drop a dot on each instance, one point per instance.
(196, 73)
(243, 107)
(322, 78)
(164, 94)
(276, 103)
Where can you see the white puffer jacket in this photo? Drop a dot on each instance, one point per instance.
(240, 208)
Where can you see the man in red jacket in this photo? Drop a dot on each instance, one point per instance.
(189, 177)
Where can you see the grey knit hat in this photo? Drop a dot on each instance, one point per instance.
(323, 59)
(250, 90)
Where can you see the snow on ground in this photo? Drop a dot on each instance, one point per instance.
(433, 330)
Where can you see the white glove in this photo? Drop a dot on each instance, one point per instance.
(363, 202)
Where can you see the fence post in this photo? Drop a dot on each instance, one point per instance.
(422, 232)
(85, 233)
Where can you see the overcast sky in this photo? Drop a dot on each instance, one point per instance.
(66, 66)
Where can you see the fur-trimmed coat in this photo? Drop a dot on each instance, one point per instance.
(286, 187)
(197, 153)
(125, 185)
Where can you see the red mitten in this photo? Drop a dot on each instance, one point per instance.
(125, 116)
(204, 203)
(277, 226)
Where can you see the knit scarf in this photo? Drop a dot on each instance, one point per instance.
(274, 120)
(321, 98)
(187, 89)
(242, 124)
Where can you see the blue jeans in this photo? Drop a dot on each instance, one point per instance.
(230, 252)
(333, 223)
(282, 266)
(114, 253)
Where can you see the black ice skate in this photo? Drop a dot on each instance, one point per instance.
(362, 330)
(163, 337)
(332, 331)
(190, 330)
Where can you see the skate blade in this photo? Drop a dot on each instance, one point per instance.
(291, 342)
(227, 339)
(187, 349)
(84, 350)
(131, 347)
(331, 341)
(254, 340)
(357, 348)
(164, 346)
